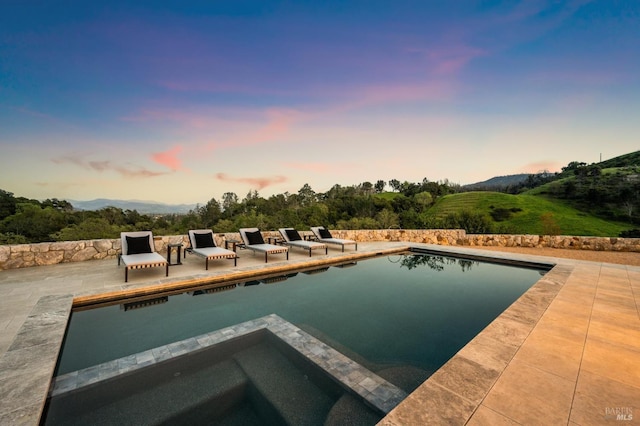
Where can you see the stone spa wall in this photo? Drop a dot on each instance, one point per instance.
(25, 255)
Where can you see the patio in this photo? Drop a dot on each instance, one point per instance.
(567, 352)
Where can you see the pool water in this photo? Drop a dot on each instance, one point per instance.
(250, 380)
(410, 310)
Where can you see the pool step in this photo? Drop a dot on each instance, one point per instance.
(349, 410)
(168, 395)
(279, 391)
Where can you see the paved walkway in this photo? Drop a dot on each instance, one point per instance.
(567, 352)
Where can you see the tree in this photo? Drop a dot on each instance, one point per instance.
(306, 195)
(210, 213)
(229, 203)
(573, 167)
(62, 205)
(7, 204)
(114, 215)
(379, 186)
(251, 195)
(131, 217)
(422, 201)
(628, 206)
(472, 222)
(366, 188)
(569, 189)
(90, 229)
(33, 222)
(387, 219)
(395, 184)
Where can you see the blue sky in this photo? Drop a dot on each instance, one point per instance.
(181, 102)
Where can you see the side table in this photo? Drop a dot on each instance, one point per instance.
(275, 240)
(170, 248)
(234, 244)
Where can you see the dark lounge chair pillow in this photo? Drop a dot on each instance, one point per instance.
(324, 233)
(138, 245)
(204, 239)
(292, 234)
(254, 238)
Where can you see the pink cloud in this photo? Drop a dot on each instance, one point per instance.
(99, 166)
(135, 173)
(278, 123)
(258, 182)
(169, 158)
(276, 128)
(246, 127)
(105, 166)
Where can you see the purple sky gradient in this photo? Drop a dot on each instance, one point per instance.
(181, 102)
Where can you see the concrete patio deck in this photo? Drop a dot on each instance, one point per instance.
(566, 352)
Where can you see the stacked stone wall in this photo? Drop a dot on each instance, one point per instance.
(555, 241)
(26, 255)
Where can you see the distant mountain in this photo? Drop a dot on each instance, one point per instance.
(497, 182)
(144, 207)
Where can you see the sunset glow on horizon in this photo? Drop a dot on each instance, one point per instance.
(180, 102)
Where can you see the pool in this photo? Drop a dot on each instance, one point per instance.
(402, 316)
(405, 309)
(254, 377)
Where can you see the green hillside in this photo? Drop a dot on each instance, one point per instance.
(556, 186)
(527, 214)
(626, 160)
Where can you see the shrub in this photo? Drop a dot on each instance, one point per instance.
(10, 238)
(631, 233)
(500, 214)
(549, 224)
(471, 222)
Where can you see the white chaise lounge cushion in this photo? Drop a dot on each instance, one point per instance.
(263, 248)
(140, 260)
(339, 241)
(269, 248)
(307, 245)
(209, 253)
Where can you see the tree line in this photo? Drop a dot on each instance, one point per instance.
(613, 194)
(362, 206)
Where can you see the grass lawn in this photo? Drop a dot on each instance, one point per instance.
(529, 219)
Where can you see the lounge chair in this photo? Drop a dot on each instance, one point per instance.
(138, 251)
(253, 240)
(292, 239)
(203, 245)
(324, 236)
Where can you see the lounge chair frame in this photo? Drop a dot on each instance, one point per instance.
(209, 253)
(338, 241)
(262, 248)
(140, 260)
(303, 244)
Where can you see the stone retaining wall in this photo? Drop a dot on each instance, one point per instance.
(25, 255)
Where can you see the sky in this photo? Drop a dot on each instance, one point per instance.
(183, 101)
